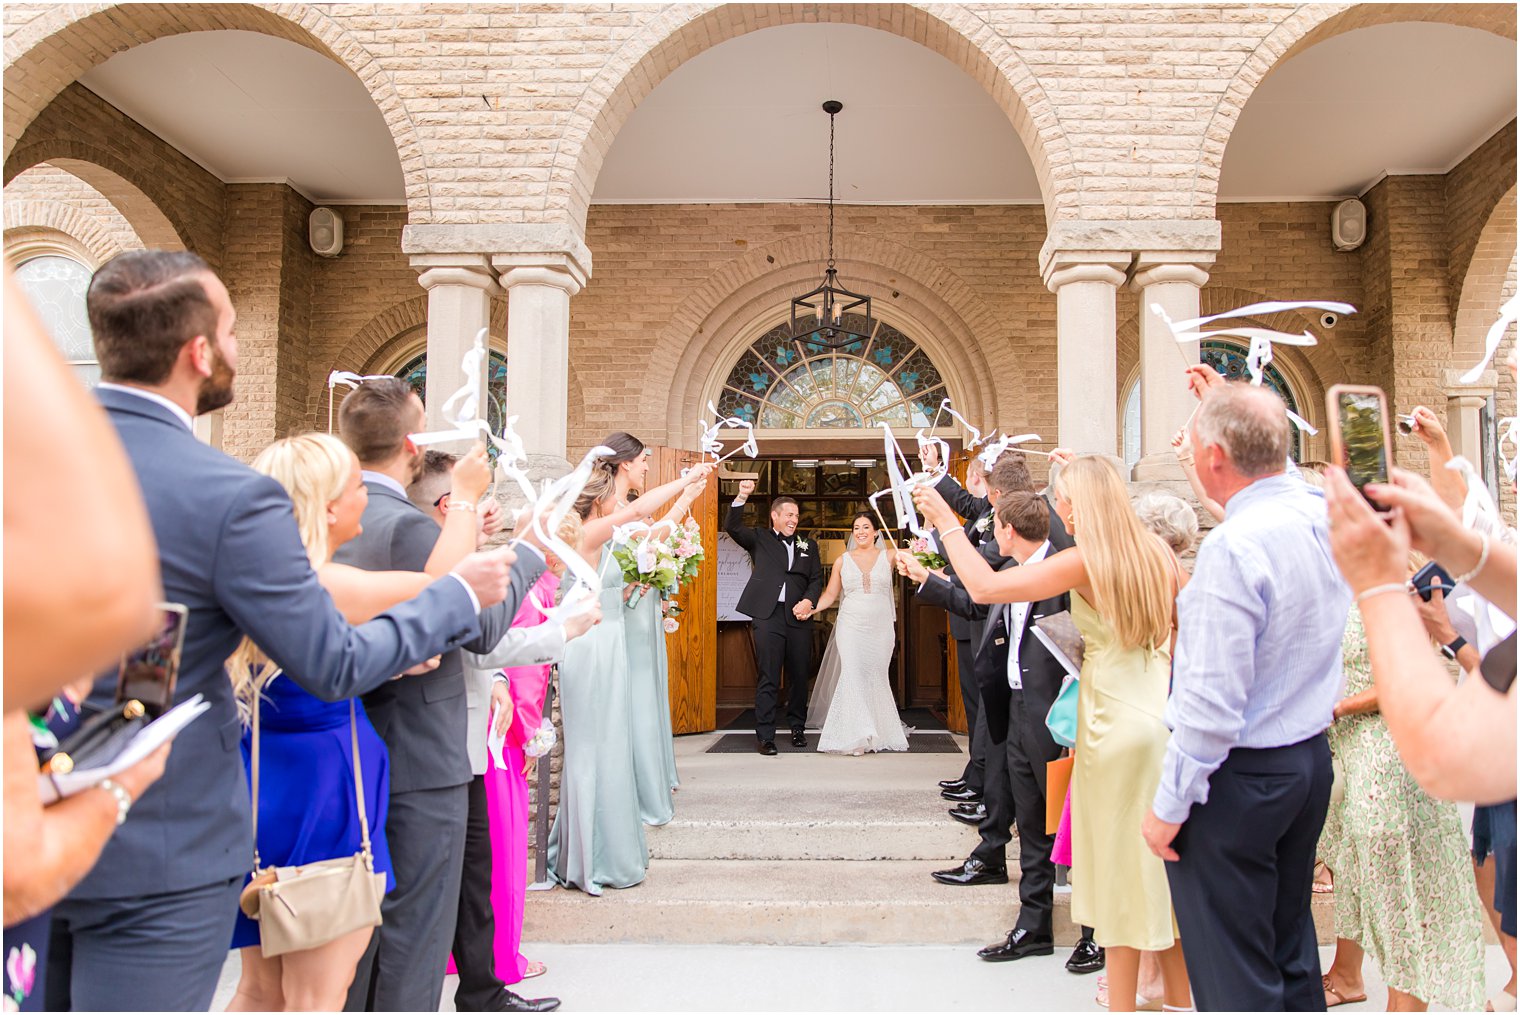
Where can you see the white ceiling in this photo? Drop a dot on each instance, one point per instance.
(253, 108)
(741, 121)
(1406, 98)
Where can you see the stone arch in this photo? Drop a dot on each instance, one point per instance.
(680, 32)
(33, 227)
(936, 308)
(1308, 26)
(45, 55)
(381, 339)
(1490, 273)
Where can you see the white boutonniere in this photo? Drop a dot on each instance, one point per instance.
(802, 545)
(983, 523)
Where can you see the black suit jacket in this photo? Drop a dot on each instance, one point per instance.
(1039, 672)
(950, 593)
(803, 577)
(424, 720)
(977, 513)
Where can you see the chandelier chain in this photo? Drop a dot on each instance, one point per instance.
(831, 190)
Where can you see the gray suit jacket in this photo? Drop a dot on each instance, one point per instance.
(230, 552)
(423, 720)
(538, 645)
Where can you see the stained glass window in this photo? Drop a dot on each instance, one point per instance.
(1230, 360)
(414, 372)
(56, 286)
(783, 384)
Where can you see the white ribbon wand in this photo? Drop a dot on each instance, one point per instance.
(902, 482)
(349, 379)
(710, 444)
(1509, 434)
(462, 408)
(995, 449)
(1507, 316)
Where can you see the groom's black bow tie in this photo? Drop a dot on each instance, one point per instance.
(788, 540)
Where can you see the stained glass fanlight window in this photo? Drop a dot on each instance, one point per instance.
(56, 287)
(414, 372)
(781, 384)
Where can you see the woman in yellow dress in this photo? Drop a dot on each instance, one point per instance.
(1123, 582)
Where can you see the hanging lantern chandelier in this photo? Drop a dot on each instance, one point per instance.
(824, 316)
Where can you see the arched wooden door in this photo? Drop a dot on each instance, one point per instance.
(693, 647)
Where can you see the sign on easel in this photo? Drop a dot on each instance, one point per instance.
(734, 567)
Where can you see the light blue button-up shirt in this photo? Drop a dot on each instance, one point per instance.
(1258, 661)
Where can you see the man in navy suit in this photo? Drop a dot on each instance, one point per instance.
(780, 596)
(150, 927)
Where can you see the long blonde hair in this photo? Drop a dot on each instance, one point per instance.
(314, 469)
(1127, 565)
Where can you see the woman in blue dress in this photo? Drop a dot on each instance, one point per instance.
(654, 754)
(307, 810)
(598, 835)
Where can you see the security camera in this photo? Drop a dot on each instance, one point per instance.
(1329, 320)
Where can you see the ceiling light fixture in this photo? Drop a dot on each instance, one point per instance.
(819, 316)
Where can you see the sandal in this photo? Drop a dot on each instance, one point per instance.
(535, 968)
(1323, 887)
(1501, 1000)
(1142, 1003)
(1339, 998)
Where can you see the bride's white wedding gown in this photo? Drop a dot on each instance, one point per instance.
(852, 697)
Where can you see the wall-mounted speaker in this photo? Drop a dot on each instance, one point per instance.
(1348, 225)
(324, 230)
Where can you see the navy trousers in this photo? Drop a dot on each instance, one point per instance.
(1244, 881)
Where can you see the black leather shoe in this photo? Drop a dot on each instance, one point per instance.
(767, 747)
(799, 738)
(965, 795)
(512, 1002)
(1087, 957)
(973, 872)
(952, 784)
(1020, 943)
(971, 814)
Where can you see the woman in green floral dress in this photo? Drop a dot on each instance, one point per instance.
(1403, 880)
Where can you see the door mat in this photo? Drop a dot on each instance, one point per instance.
(744, 743)
(921, 719)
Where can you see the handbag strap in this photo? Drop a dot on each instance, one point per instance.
(353, 735)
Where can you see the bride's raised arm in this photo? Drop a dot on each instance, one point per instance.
(836, 586)
(1028, 583)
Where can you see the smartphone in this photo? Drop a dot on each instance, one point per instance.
(1359, 436)
(1430, 578)
(148, 675)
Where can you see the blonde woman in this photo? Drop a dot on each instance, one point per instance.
(306, 806)
(1123, 582)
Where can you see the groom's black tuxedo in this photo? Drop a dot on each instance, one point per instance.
(785, 572)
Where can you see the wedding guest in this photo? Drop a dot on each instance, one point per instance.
(424, 722)
(598, 836)
(1426, 932)
(654, 756)
(99, 564)
(307, 810)
(1169, 517)
(1246, 777)
(164, 894)
(1451, 738)
(1122, 582)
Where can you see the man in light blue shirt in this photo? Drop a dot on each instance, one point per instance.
(1245, 783)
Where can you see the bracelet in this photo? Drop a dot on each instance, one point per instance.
(123, 798)
(1379, 590)
(462, 505)
(1482, 562)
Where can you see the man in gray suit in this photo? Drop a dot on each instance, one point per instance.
(149, 928)
(423, 721)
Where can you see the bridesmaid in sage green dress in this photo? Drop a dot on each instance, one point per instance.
(598, 836)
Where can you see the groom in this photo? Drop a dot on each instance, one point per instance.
(783, 587)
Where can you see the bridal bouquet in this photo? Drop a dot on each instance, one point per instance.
(686, 545)
(661, 564)
(923, 551)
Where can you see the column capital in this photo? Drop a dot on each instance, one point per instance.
(544, 238)
(1156, 268)
(1187, 236)
(536, 269)
(1109, 267)
(471, 270)
(1484, 386)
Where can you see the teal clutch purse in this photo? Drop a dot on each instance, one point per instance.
(1061, 720)
(1059, 634)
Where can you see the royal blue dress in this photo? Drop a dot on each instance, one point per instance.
(307, 810)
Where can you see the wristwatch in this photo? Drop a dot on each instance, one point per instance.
(1450, 651)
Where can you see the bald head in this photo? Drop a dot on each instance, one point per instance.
(1249, 423)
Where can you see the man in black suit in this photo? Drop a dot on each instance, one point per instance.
(783, 588)
(423, 720)
(148, 928)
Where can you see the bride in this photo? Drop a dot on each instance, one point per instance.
(852, 697)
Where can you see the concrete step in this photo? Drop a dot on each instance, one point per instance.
(942, 841)
(787, 902)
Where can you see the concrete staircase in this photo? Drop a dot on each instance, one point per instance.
(798, 849)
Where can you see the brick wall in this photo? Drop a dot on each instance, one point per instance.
(95, 222)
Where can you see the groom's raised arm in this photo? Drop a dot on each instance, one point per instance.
(734, 523)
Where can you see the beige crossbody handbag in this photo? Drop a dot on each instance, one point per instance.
(305, 907)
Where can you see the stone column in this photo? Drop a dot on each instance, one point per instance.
(1172, 283)
(1464, 409)
(460, 287)
(539, 288)
(1087, 395)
